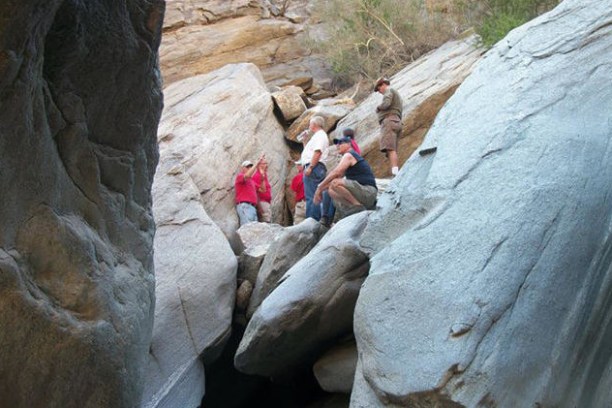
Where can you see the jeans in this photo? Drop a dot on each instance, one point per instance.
(310, 186)
(328, 210)
(246, 213)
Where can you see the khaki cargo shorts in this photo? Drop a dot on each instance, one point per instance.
(366, 195)
(390, 130)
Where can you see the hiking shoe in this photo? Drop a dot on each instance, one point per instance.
(354, 210)
(325, 222)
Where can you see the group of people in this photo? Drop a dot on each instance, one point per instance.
(349, 187)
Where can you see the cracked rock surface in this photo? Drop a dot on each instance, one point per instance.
(80, 102)
(491, 267)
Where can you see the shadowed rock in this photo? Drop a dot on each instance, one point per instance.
(491, 276)
(311, 307)
(80, 98)
(335, 370)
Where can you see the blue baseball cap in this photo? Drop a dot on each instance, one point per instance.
(343, 139)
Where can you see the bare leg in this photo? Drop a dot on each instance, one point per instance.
(392, 155)
(339, 193)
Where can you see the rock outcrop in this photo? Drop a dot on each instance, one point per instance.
(80, 101)
(195, 272)
(310, 308)
(492, 270)
(212, 123)
(425, 86)
(290, 102)
(201, 36)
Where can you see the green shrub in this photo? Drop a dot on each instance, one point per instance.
(369, 38)
(372, 38)
(501, 16)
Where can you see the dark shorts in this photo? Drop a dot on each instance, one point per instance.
(390, 130)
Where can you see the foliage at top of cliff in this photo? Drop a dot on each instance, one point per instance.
(370, 38)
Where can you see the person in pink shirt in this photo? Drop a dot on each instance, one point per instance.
(297, 185)
(246, 193)
(264, 192)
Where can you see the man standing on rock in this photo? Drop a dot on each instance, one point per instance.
(390, 118)
(351, 184)
(246, 193)
(264, 193)
(313, 158)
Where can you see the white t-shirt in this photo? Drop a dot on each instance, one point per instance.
(318, 141)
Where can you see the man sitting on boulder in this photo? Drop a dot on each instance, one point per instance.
(246, 194)
(357, 191)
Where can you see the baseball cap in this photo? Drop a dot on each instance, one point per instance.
(343, 139)
(247, 163)
(381, 81)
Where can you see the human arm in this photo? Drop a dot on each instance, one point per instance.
(249, 173)
(313, 162)
(338, 172)
(386, 102)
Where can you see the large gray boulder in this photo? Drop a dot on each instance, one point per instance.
(81, 99)
(311, 307)
(425, 86)
(237, 124)
(492, 270)
(285, 251)
(195, 271)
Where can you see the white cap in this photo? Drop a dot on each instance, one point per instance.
(246, 163)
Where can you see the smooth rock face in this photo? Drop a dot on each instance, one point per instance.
(78, 153)
(285, 251)
(491, 279)
(424, 86)
(311, 307)
(201, 36)
(212, 123)
(335, 370)
(195, 289)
